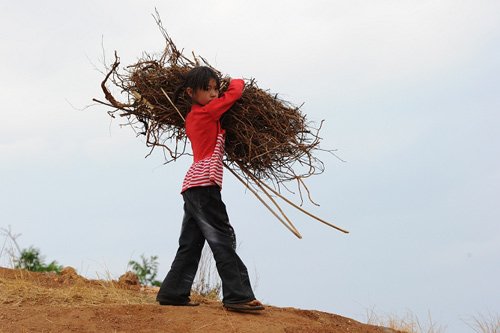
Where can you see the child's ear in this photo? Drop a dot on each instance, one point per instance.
(189, 91)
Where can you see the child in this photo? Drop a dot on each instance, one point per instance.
(205, 216)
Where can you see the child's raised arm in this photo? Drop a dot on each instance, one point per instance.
(218, 106)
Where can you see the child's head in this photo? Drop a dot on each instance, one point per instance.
(202, 84)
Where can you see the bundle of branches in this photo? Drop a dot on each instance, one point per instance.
(269, 142)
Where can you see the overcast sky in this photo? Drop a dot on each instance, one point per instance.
(410, 94)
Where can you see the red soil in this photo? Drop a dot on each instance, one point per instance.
(36, 302)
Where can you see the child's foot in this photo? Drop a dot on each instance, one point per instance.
(254, 305)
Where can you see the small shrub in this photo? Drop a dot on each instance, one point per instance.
(147, 270)
(31, 260)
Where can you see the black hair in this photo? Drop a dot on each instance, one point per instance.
(198, 78)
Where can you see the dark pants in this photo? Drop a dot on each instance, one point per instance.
(205, 218)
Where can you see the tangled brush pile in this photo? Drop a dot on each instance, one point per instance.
(269, 142)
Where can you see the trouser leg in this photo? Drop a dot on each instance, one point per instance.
(210, 213)
(176, 286)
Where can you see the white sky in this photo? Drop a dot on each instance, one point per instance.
(409, 92)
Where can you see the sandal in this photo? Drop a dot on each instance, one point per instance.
(254, 305)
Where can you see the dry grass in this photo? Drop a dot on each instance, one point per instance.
(41, 290)
(485, 323)
(207, 282)
(408, 323)
(20, 287)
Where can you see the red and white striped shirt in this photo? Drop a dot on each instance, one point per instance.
(207, 138)
(208, 171)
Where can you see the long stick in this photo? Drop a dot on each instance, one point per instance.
(303, 210)
(257, 182)
(176, 109)
(295, 232)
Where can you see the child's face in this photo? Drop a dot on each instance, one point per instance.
(203, 97)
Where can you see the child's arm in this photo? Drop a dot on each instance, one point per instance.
(218, 106)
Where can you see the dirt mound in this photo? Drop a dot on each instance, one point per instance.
(47, 302)
(129, 280)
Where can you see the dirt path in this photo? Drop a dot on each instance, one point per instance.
(34, 302)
